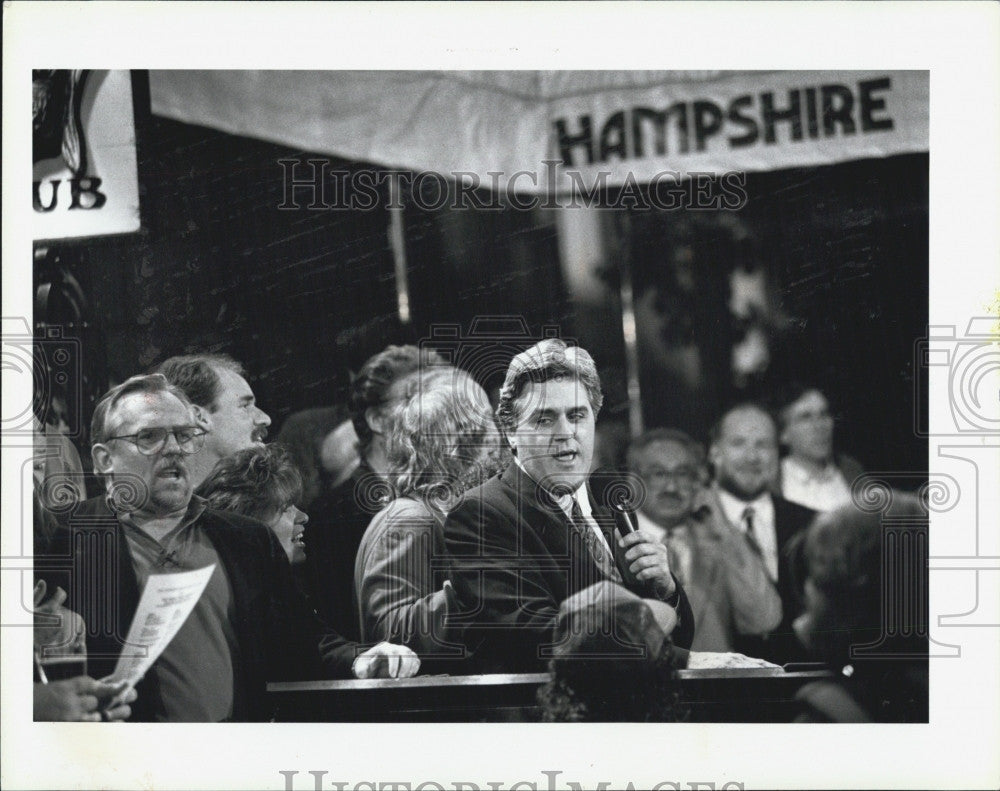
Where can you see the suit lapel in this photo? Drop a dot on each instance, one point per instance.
(785, 523)
(540, 514)
(534, 505)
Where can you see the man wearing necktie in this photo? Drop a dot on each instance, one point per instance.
(723, 574)
(744, 454)
(527, 539)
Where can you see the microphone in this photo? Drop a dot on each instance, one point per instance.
(621, 493)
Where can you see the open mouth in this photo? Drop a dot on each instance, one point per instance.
(566, 456)
(259, 435)
(171, 473)
(299, 539)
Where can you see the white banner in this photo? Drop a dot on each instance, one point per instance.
(541, 132)
(84, 158)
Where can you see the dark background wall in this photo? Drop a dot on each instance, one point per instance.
(303, 296)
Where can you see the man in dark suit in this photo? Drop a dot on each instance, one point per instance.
(744, 454)
(524, 541)
(248, 626)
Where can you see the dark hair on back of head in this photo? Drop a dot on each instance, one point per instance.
(196, 375)
(256, 482)
(370, 387)
(715, 432)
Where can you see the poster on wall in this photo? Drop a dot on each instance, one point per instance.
(83, 154)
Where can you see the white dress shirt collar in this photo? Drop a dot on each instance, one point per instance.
(821, 491)
(765, 530)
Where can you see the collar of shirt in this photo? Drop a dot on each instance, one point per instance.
(821, 491)
(565, 501)
(194, 510)
(582, 498)
(796, 470)
(733, 508)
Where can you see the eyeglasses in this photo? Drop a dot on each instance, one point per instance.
(685, 476)
(190, 439)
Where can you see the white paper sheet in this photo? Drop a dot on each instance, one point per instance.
(166, 602)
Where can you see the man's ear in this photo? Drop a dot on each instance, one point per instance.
(713, 455)
(101, 455)
(201, 417)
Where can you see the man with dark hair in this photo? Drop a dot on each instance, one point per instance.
(224, 404)
(339, 517)
(379, 386)
(529, 538)
(811, 474)
(247, 628)
(744, 454)
(725, 579)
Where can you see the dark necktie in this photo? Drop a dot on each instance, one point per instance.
(748, 515)
(597, 548)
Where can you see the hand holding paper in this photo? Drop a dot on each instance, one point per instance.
(166, 602)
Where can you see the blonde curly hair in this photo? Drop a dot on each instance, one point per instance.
(442, 440)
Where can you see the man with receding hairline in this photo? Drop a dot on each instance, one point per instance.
(744, 454)
(248, 626)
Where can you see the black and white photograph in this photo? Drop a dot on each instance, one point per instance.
(376, 416)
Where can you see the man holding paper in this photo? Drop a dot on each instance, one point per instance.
(219, 588)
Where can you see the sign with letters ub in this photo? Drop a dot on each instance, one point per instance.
(83, 152)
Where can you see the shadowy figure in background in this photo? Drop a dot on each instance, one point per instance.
(812, 475)
(323, 445)
(340, 516)
(708, 316)
(845, 618)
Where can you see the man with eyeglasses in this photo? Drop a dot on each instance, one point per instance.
(726, 582)
(247, 628)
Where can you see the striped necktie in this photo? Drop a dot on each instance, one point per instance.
(751, 535)
(598, 549)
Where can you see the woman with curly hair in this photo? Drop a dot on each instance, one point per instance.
(263, 483)
(442, 440)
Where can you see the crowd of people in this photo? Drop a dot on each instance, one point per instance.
(423, 527)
